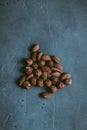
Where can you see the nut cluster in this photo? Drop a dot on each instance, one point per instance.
(44, 71)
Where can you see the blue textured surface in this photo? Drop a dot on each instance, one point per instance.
(60, 27)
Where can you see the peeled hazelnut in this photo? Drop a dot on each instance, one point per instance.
(40, 83)
(33, 81)
(48, 83)
(26, 84)
(53, 89)
(68, 81)
(35, 48)
(41, 63)
(34, 65)
(60, 85)
(37, 72)
(29, 61)
(46, 95)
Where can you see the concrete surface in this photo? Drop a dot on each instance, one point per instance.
(60, 27)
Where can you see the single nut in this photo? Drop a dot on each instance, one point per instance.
(65, 76)
(35, 48)
(46, 68)
(30, 76)
(53, 89)
(56, 69)
(54, 80)
(29, 70)
(46, 95)
(41, 63)
(55, 59)
(68, 81)
(26, 85)
(34, 56)
(56, 74)
(49, 74)
(48, 83)
(33, 81)
(46, 57)
(37, 72)
(49, 63)
(39, 55)
(58, 66)
(44, 75)
(40, 83)
(22, 80)
(60, 85)
(34, 65)
(29, 61)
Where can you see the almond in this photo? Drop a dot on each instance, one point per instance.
(29, 76)
(46, 57)
(56, 74)
(46, 95)
(46, 68)
(53, 89)
(54, 80)
(33, 81)
(40, 83)
(34, 65)
(49, 63)
(29, 70)
(48, 83)
(22, 80)
(29, 61)
(26, 84)
(44, 75)
(67, 81)
(35, 48)
(65, 76)
(60, 85)
(37, 72)
(41, 63)
(34, 56)
(39, 55)
(55, 59)
(56, 69)
(58, 66)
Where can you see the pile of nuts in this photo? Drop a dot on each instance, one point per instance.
(44, 71)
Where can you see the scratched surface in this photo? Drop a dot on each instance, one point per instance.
(60, 27)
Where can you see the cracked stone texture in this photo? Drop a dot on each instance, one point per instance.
(60, 27)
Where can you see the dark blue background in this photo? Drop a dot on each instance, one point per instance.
(60, 27)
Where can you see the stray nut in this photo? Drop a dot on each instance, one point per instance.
(35, 48)
(46, 95)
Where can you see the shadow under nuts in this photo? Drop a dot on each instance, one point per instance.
(43, 70)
